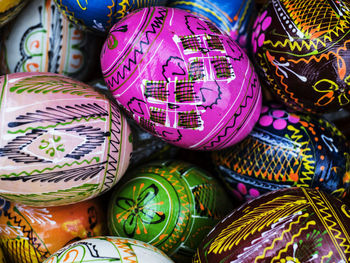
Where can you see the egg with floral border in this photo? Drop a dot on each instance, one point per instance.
(286, 149)
(61, 141)
(302, 55)
(168, 204)
(181, 78)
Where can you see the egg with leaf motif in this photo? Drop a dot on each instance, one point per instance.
(287, 225)
(61, 141)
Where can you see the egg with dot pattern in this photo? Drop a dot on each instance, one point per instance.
(286, 149)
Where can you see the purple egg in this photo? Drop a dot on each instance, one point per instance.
(181, 78)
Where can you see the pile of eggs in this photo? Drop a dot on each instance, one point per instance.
(174, 131)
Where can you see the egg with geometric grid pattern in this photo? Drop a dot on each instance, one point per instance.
(181, 78)
(286, 149)
(168, 204)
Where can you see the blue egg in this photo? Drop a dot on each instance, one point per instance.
(100, 15)
(233, 17)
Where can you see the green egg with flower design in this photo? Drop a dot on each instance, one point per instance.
(171, 205)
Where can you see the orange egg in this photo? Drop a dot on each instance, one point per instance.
(31, 234)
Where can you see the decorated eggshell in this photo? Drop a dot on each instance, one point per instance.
(302, 55)
(109, 249)
(181, 78)
(32, 234)
(100, 15)
(287, 149)
(233, 17)
(288, 225)
(61, 141)
(42, 40)
(168, 204)
(9, 9)
(146, 147)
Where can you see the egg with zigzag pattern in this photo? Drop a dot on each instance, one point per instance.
(61, 141)
(181, 78)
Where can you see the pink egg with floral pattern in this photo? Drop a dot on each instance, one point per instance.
(181, 78)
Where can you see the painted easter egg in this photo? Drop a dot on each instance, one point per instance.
(61, 141)
(42, 40)
(286, 149)
(9, 9)
(146, 147)
(303, 55)
(168, 204)
(233, 17)
(288, 225)
(181, 78)
(109, 249)
(100, 15)
(32, 234)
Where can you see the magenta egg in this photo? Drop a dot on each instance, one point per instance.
(181, 78)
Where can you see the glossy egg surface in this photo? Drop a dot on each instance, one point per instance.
(303, 54)
(168, 204)
(61, 141)
(286, 149)
(181, 78)
(289, 225)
